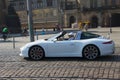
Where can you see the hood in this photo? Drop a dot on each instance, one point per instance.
(34, 43)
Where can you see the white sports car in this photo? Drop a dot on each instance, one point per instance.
(84, 44)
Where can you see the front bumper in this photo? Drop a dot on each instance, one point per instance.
(24, 52)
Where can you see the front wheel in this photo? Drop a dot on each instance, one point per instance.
(36, 53)
(91, 52)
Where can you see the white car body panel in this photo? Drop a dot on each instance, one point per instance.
(63, 49)
(68, 48)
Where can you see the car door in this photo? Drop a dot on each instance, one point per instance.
(62, 48)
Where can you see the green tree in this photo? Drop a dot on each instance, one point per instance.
(13, 21)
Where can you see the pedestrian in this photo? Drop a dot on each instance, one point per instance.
(58, 27)
(5, 29)
(5, 32)
(80, 25)
(86, 27)
(25, 32)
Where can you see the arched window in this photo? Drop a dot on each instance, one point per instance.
(72, 20)
(94, 21)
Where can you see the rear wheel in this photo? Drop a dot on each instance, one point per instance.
(36, 53)
(91, 52)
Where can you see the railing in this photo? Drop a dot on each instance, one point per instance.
(70, 7)
(111, 7)
(43, 20)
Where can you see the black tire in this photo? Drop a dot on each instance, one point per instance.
(36, 53)
(91, 52)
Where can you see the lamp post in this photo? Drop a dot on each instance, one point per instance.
(62, 18)
(30, 20)
(61, 10)
(110, 23)
(78, 6)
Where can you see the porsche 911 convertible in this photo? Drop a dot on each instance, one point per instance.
(84, 44)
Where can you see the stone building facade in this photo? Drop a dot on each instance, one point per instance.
(47, 13)
(70, 12)
(101, 12)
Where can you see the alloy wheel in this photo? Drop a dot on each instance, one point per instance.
(36, 53)
(90, 52)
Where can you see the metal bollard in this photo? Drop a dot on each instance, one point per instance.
(13, 42)
(37, 36)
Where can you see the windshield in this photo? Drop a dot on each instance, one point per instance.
(54, 37)
(57, 36)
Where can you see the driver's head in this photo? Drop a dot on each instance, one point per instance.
(71, 34)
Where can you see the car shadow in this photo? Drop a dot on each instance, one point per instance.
(113, 58)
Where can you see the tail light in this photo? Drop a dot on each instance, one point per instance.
(108, 42)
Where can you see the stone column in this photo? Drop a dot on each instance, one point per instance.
(100, 19)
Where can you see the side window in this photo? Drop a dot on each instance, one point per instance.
(86, 35)
(83, 36)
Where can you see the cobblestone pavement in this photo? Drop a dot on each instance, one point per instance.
(14, 67)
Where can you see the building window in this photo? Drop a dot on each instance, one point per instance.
(113, 2)
(39, 3)
(21, 3)
(49, 3)
(69, 5)
(13, 4)
(118, 2)
(93, 3)
(105, 3)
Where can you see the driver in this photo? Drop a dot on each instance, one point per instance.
(71, 36)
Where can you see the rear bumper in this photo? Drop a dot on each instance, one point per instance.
(108, 49)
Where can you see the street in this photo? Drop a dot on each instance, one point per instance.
(14, 67)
